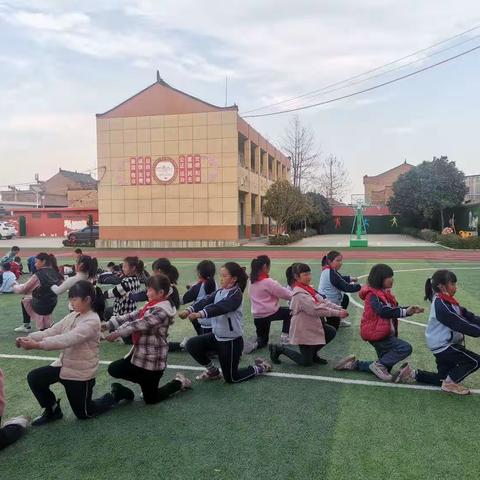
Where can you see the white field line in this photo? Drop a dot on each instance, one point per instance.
(295, 376)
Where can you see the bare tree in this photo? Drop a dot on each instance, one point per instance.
(333, 181)
(299, 144)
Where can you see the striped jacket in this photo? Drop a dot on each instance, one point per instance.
(150, 353)
(123, 303)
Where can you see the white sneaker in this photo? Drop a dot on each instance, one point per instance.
(22, 421)
(345, 323)
(23, 328)
(284, 339)
(184, 342)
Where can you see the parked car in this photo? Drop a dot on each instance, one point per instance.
(7, 230)
(82, 236)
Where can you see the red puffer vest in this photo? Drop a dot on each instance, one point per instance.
(373, 327)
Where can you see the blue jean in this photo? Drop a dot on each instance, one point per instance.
(390, 351)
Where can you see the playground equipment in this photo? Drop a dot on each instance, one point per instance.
(358, 236)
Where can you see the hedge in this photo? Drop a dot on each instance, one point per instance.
(451, 241)
(291, 237)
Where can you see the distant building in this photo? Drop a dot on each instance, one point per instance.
(379, 188)
(176, 171)
(54, 191)
(473, 184)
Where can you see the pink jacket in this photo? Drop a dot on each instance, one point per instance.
(79, 338)
(265, 295)
(306, 327)
(2, 395)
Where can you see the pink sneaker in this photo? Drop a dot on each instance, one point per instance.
(380, 371)
(206, 376)
(186, 382)
(260, 362)
(346, 363)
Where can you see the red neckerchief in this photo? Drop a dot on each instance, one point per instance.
(262, 276)
(327, 267)
(136, 335)
(308, 289)
(448, 298)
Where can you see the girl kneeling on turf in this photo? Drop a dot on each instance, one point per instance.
(379, 325)
(265, 296)
(224, 307)
(147, 360)
(78, 336)
(334, 286)
(308, 329)
(448, 323)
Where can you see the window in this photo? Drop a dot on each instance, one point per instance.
(36, 215)
(54, 215)
(253, 152)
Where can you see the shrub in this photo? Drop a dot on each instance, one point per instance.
(291, 237)
(429, 235)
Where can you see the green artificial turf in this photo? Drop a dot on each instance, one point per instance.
(266, 428)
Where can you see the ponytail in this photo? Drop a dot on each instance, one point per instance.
(290, 276)
(330, 257)
(428, 290)
(206, 270)
(89, 265)
(440, 277)
(235, 270)
(256, 267)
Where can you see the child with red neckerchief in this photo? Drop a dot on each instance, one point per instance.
(379, 326)
(308, 329)
(448, 323)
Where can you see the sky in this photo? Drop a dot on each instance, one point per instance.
(61, 62)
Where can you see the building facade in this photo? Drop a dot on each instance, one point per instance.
(473, 184)
(379, 188)
(177, 171)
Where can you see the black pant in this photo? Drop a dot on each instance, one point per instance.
(10, 434)
(229, 354)
(147, 379)
(26, 316)
(79, 393)
(263, 325)
(308, 353)
(335, 321)
(455, 362)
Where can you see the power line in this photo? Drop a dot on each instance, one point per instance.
(411, 74)
(313, 92)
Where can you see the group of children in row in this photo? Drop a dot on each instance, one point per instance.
(309, 322)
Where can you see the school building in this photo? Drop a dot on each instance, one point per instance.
(176, 171)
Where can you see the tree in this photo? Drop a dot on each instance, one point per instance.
(333, 180)
(285, 204)
(299, 145)
(428, 189)
(321, 211)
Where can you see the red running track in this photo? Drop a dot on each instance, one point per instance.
(437, 255)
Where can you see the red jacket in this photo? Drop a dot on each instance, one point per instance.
(15, 268)
(372, 326)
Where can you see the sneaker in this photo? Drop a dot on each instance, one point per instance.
(275, 352)
(207, 376)
(404, 375)
(380, 371)
(22, 421)
(119, 393)
(260, 362)
(319, 360)
(24, 328)
(456, 388)
(250, 346)
(186, 382)
(184, 342)
(284, 339)
(345, 323)
(48, 415)
(347, 363)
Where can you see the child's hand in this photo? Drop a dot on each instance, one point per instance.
(183, 315)
(414, 309)
(194, 316)
(29, 344)
(353, 280)
(18, 342)
(343, 314)
(112, 336)
(104, 327)
(418, 309)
